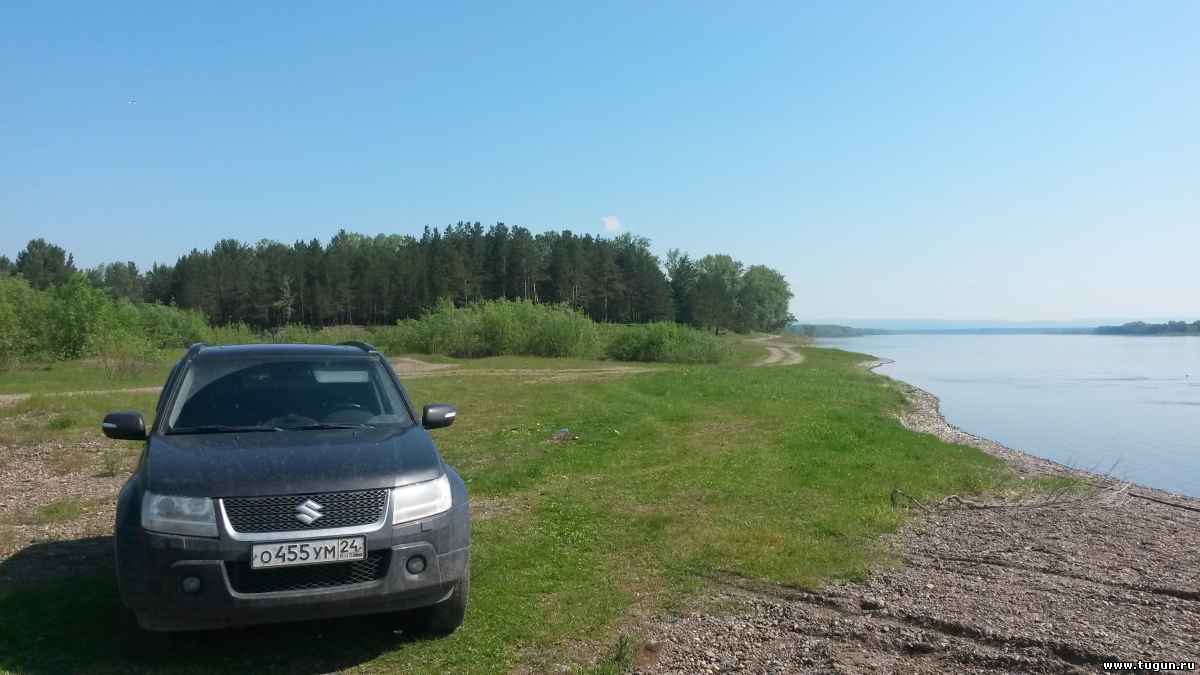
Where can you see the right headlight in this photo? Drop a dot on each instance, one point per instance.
(179, 515)
(421, 500)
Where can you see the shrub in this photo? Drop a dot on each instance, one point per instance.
(402, 338)
(233, 334)
(170, 327)
(564, 332)
(524, 328)
(294, 334)
(663, 341)
(122, 351)
(22, 325)
(332, 335)
(74, 318)
(495, 327)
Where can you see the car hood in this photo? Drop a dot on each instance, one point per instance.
(289, 462)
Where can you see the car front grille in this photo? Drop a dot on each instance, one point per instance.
(281, 513)
(243, 579)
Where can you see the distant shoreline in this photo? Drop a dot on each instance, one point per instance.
(1133, 329)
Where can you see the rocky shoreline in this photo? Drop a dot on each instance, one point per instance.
(1016, 587)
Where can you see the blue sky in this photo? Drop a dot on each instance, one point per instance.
(937, 160)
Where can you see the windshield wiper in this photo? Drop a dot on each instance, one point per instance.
(328, 425)
(221, 429)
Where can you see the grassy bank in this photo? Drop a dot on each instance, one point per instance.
(777, 473)
(84, 375)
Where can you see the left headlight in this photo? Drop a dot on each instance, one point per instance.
(421, 500)
(179, 515)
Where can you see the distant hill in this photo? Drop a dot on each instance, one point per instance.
(828, 330)
(938, 327)
(1143, 328)
(1000, 330)
(924, 325)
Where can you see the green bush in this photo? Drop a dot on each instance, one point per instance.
(75, 316)
(170, 327)
(74, 320)
(233, 334)
(121, 352)
(294, 334)
(331, 335)
(524, 328)
(665, 342)
(22, 325)
(493, 328)
(403, 338)
(564, 332)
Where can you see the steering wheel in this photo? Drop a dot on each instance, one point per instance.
(349, 414)
(345, 404)
(290, 420)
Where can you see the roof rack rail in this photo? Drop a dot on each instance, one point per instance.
(196, 346)
(366, 347)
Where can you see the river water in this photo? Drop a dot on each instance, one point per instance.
(1125, 405)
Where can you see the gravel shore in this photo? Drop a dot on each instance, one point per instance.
(1058, 588)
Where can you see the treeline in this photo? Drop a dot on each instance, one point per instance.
(1143, 328)
(357, 279)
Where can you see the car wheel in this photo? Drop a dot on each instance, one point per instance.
(445, 617)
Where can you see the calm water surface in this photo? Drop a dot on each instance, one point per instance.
(1090, 401)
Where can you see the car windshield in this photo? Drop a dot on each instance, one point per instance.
(271, 394)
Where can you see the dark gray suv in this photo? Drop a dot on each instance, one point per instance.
(289, 482)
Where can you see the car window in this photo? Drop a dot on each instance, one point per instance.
(286, 393)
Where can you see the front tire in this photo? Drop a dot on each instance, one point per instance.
(445, 617)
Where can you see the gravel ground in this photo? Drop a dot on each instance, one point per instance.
(1058, 588)
(34, 548)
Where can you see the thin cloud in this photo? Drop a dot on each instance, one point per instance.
(612, 224)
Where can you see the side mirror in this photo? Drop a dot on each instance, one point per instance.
(438, 415)
(126, 426)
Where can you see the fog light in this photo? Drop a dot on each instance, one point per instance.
(190, 584)
(415, 564)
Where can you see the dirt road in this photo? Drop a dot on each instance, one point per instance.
(779, 353)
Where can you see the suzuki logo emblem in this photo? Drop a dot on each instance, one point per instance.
(309, 512)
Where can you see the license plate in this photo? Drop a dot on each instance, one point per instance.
(308, 552)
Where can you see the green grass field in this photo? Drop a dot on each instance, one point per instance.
(781, 474)
(85, 375)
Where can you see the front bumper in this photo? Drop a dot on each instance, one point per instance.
(151, 568)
